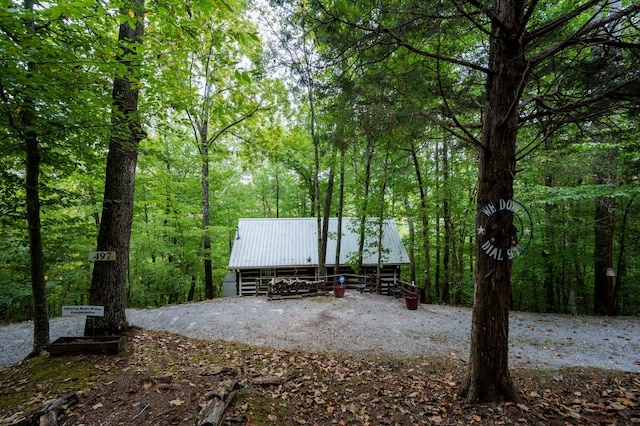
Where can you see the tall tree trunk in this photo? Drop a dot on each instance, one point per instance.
(425, 295)
(206, 238)
(604, 301)
(622, 258)
(340, 207)
(108, 283)
(32, 192)
(36, 252)
(549, 278)
(438, 247)
(381, 213)
(325, 224)
(277, 191)
(412, 241)
(446, 216)
(192, 289)
(365, 200)
(488, 377)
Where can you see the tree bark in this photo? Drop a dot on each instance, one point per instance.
(365, 202)
(604, 301)
(32, 192)
(448, 233)
(324, 237)
(36, 252)
(108, 283)
(489, 378)
(425, 295)
(206, 238)
(340, 207)
(412, 241)
(621, 270)
(380, 224)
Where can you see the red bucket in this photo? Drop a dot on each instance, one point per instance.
(338, 291)
(412, 300)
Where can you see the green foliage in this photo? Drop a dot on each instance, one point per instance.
(15, 285)
(390, 108)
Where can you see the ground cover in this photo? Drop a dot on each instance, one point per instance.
(166, 379)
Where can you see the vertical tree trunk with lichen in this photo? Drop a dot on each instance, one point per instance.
(488, 377)
(108, 283)
(32, 192)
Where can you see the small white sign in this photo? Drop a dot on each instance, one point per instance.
(102, 256)
(94, 311)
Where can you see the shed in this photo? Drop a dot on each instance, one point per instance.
(264, 249)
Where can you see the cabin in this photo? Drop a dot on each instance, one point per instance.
(271, 249)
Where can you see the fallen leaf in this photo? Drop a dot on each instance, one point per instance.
(176, 402)
(98, 405)
(627, 402)
(616, 407)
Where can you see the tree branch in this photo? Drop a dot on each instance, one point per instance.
(576, 37)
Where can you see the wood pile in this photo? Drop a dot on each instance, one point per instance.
(294, 286)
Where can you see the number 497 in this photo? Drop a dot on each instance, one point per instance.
(102, 256)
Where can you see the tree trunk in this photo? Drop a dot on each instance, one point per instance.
(603, 295)
(340, 208)
(621, 270)
(412, 241)
(192, 289)
(549, 276)
(206, 238)
(326, 213)
(365, 200)
(448, 234)
(108, 283)
(489, 378)
(426, 288)
(438, 245)
(380, 230)
(36, 252)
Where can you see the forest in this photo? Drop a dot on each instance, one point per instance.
(256, 109)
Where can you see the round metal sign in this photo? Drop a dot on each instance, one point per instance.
(503, 229)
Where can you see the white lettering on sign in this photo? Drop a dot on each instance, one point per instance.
(102, 256)
(489, 209)
(93, 311)
(503, 229)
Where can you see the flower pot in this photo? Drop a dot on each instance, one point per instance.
(412, 300)
(338, 291)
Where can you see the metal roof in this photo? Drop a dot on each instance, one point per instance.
(270, 243)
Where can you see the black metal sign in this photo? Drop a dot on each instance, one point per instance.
(503, 229)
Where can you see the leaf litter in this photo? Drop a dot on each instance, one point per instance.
(167, 379)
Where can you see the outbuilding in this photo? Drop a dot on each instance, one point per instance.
(267, 249)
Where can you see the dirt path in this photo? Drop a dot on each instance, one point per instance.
(364, 324)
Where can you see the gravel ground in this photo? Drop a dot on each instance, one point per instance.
(360, 324)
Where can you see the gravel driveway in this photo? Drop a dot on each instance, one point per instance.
(368, 324)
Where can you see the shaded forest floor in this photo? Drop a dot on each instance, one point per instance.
(166, 379)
